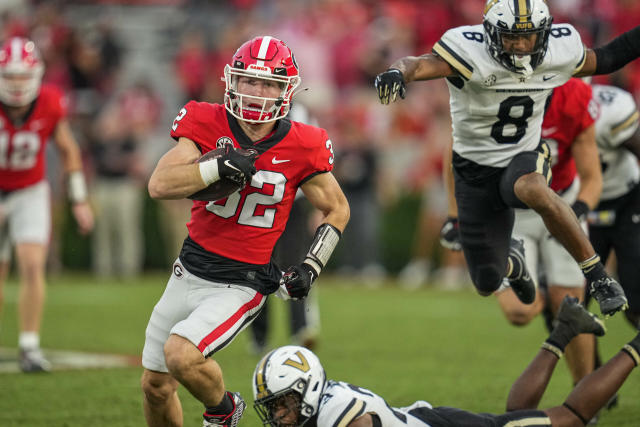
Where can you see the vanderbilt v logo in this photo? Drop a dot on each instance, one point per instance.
(303, 365)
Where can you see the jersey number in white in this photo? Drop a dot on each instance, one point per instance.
(179, 117)
(508, 120)
(248, 212)
(24, 150)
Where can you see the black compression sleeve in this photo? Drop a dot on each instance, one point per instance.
(618, 52)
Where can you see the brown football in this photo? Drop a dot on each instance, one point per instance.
(223, 187)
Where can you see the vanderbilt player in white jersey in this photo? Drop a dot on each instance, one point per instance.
(615, 223)
(499, 76)
(290, 389)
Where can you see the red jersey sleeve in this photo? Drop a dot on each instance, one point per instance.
(56, 102)
(582, 110)
(185, 122)
(324, 155)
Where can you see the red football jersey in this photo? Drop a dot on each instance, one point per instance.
(570, 112)
(246, 225)
(22, 147)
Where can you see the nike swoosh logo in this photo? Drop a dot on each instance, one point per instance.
(276, 161)
(545, 78)
(228, 164)
(549, 131)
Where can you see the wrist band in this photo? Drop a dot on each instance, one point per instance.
(632, 352)
(77, 187)
(552, 348)
(209, 171)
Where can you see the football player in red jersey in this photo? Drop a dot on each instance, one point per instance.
(31, 113)
(224, 272)
(569, 131)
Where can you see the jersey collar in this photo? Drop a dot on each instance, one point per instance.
(282, 129)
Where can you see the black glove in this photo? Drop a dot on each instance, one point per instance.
(236, 166)
(450, 234)
(581, 209)
(298, 279)
(390, 84)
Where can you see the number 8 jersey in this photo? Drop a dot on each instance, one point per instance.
(246, 225)
(497, 113)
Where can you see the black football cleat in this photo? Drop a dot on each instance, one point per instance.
(580, 321)
(609, 295)
(520, 280)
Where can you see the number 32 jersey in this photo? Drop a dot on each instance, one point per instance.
(22, 146)
(497, 113)
(246, 225)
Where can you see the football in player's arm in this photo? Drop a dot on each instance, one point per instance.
(225, 270)
(31, 113)
(499, 76)
(290, 389)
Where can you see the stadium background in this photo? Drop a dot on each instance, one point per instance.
(138, 62)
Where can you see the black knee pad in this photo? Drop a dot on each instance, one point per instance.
(487, 278)
(523, 164)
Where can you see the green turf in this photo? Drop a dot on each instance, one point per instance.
(449, 348)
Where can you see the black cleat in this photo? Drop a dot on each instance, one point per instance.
(609, 295)
(520, 280)
(580, 321)
(227, 420)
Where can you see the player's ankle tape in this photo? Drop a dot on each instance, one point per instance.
(553, 349)
(633, 352)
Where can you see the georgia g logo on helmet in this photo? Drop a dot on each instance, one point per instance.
(504, 19)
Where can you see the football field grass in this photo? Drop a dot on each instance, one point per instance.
(449, 348)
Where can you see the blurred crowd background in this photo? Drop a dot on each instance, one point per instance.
(129, 66)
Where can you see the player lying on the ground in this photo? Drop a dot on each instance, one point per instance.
(290, 388)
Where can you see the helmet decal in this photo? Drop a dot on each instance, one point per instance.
(303, 365)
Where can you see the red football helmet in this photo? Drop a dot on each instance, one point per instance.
(265, 58)
(21, 71)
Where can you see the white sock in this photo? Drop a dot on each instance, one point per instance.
(29, 340)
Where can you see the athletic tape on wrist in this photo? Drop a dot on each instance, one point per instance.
(631, 351)
(553, 349)
(324, 242)
(77, 187)
(209, 171)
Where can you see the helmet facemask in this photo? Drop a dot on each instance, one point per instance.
(285, 408)
(502, 22)
(258, 109)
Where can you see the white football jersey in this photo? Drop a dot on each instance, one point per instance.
(617, 122)
(342, 402)
(497, 113)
